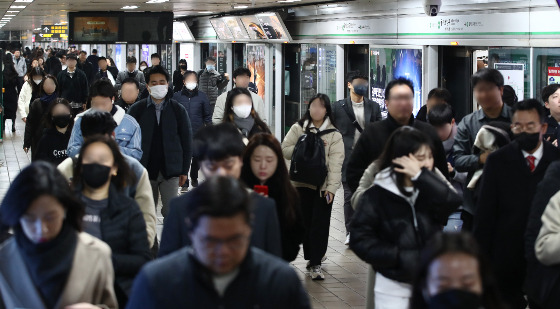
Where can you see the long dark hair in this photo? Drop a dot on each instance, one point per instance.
(47, 120)
(287, 198)
(323, 98)
(404, 141)
(35, 72)
(10, 73)
(49, 76)
(228, 109)
(124, 177)
(446, 243)
(38, 179)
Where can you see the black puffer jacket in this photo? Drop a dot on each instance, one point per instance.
(123, 228)
(389, 233)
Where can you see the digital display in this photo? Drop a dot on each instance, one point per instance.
(147, 28)
(181, 32)
(254, 28)
(95, 29)
(236, 28)
(273, 26)
(221, 29)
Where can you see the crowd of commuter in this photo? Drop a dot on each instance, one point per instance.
(448, 213)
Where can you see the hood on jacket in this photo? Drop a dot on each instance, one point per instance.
(118, 116)
(388, 181)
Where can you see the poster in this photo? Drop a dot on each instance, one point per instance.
(514, 76)
(273, 26)
(387, 64)
(253, 27)
(256, 64)
(553, 75)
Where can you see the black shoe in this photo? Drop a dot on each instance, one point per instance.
(194, 183)
(13, 130)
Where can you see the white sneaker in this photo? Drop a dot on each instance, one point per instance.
(347, 242)
(317, 273)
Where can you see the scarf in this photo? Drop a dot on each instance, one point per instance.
(49, 264)
(189, 93)
(48, 98)
(245, 125)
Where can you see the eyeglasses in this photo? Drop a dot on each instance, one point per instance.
(235, 243)
(530, 127)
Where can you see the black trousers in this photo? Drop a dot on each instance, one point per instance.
(195, 166)
(317, 220)
(348, 210)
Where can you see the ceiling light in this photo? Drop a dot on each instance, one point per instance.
(288, 1)
(8, 18)
(12, 11)
(17, 7)
(28, 1)
(9, 15)
(129, 7)
(240, 6)
(205, 12)
(156, 1)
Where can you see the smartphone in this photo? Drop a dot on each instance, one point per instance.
(261, 189)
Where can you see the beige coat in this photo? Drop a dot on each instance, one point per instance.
(218, 116)
(334, 154)
(90, 279)
(143, 196)
(547, 246)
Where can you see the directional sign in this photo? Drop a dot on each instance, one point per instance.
(54, 32)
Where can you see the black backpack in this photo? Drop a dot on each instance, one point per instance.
(308, 163)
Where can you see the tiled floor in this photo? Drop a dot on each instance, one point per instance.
(345, 282)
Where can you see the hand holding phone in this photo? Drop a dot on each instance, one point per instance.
(262, 190)
(329, 196)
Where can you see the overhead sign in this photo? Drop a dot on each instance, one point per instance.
(54, 32)
(553, 75)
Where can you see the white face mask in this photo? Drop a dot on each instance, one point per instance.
(143, 67)
(37, 81)
(242, 111)
(158, 92)
(191, 86)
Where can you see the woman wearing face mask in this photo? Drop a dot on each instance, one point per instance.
(178, 75)
(35, 125)
(58, 122)
(454, 274)
(407, 204)
(100, 174)
(143, 66)
(30, 91)
(50, 263)
(198, 108)
(316, 202)
(239, 111)
(264, 169)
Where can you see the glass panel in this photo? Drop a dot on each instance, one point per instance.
(291, 85)
(186, 51)
(239, 59)
(117, 53)
(387, 64)
(222, 58)
(546, 69)
(326, 68)
(132, 51)
(308, 75)
(517, 77)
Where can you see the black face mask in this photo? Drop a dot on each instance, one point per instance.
(455, 299)
(361, 90)
(528, 141)
(95, 175)
(183, 67)
(61, 121)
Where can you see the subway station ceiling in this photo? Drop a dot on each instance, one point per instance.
(29, 14)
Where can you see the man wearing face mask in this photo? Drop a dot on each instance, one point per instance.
(351, 115)
(511, 175)
(241, 79)
(198, 108)
(166, 138)
(211, 82)
(128, 136)
(131, 72)
(178, 75)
